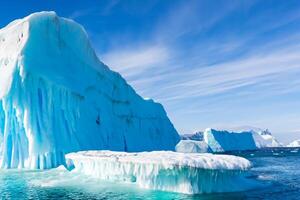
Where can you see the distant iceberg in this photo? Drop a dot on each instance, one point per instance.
(221, 140)
(263, 137)
(295, 143)
(192, 146)
(240, 139)
(198, 136)
(57, 97)
(165, 170)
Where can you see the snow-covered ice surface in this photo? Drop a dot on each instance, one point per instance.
(192, 146)
(57, 97)
(295, 143)
(165, 170)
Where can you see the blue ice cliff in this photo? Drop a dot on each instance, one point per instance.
(56, 97)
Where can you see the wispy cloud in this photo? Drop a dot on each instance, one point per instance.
(80, 13)
(132, 62)
(254, 69)
(268, 68)
(101, 10)
(190, 67)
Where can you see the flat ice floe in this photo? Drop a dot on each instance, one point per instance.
(189, 173)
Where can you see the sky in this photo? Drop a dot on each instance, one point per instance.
(211, 63)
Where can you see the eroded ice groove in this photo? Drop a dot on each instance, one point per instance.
(57, 97)
(165, 170)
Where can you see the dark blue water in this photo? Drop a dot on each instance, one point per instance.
(278, 170)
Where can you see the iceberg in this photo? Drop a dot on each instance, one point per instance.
(57, 97)
(239, 139)
(198, 136)
(165, 170)
(263, 137)
(222, 141)
(295, 143)
(192, 146)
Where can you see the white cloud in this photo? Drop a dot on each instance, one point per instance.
(193, 83)
(134, 61)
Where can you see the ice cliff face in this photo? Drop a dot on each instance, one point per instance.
(57, 97)
(235, 139)
(263, 137)
(220, 141)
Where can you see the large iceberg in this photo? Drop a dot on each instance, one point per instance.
(165, 170)
(57, 97)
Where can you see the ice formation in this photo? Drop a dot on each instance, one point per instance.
(263, 137)
(198, 136)
(192, 146)
(295, 143)
(220, 141)
(57, 97)
(239, 139)
(165, 170)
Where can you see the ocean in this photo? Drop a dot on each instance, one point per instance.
(277, 170)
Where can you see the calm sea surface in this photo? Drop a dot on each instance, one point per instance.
(277, 169)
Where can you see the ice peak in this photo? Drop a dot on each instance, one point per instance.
(56, 96)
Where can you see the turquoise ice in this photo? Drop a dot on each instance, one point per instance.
(56, 97)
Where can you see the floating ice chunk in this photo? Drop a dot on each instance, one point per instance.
(165, 170)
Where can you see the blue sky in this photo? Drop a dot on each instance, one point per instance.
(210, 63)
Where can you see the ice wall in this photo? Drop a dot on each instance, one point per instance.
(263, 137)
(165, 170)
(220, 141)
(57, 97)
